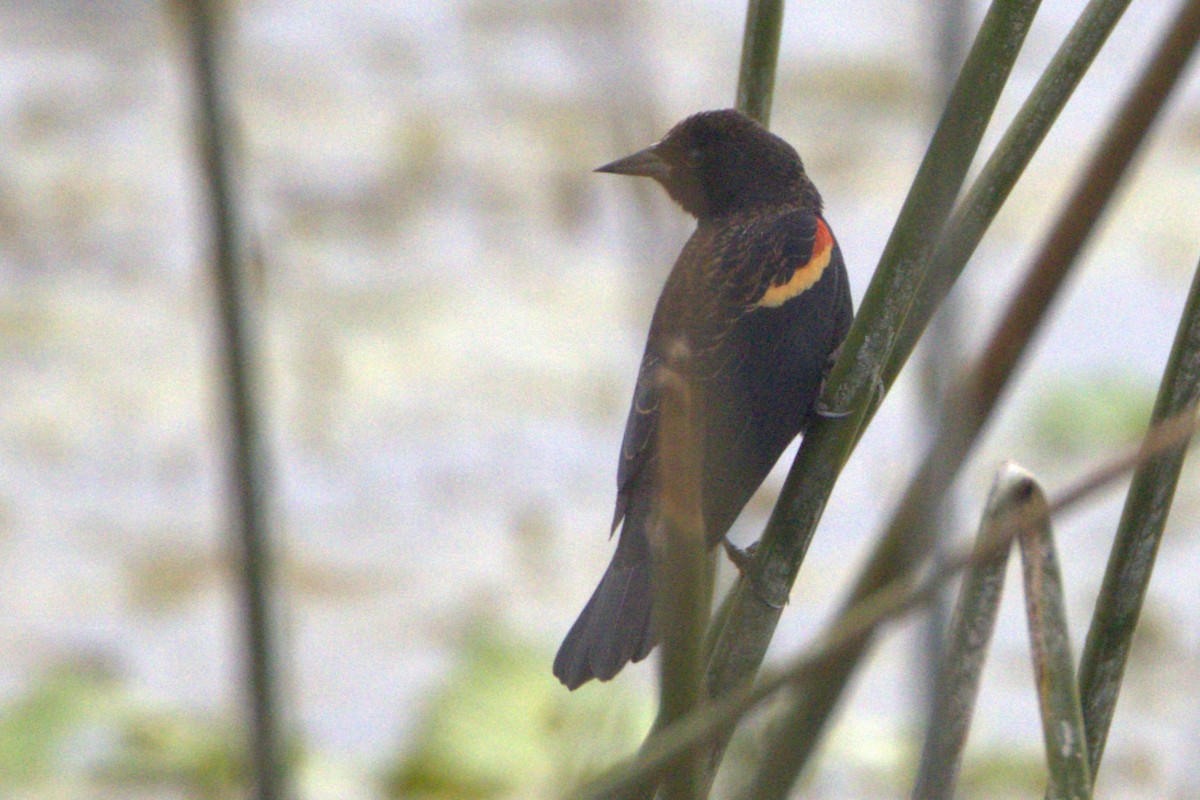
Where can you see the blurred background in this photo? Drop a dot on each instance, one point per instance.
(453, 312)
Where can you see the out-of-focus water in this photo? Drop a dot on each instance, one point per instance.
(454, 312)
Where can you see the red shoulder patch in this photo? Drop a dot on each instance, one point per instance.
(805, 275)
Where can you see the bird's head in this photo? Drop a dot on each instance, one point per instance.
(716, 162)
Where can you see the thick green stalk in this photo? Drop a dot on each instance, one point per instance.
(758, 601)
(760, 54)
(247, 467)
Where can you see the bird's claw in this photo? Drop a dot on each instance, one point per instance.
(878, 390)
(828, 413)
(822, 410)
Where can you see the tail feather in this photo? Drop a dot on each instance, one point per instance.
(615, 626)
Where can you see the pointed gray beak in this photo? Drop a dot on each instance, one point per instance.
(643, 162)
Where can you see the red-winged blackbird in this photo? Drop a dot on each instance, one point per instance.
(761, 298)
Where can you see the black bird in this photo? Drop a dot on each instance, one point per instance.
(761, 298)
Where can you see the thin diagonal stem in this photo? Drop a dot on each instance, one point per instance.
(1139, 533)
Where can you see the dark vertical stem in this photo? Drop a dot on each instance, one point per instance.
(247, 466)
(943, 350)
(760, 53)
(756, 85)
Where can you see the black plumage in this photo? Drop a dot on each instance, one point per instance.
(760, 297)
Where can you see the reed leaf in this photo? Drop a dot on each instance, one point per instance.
(970, 633)
(1053, 664)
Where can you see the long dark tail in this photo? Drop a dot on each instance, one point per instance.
(616, 625)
